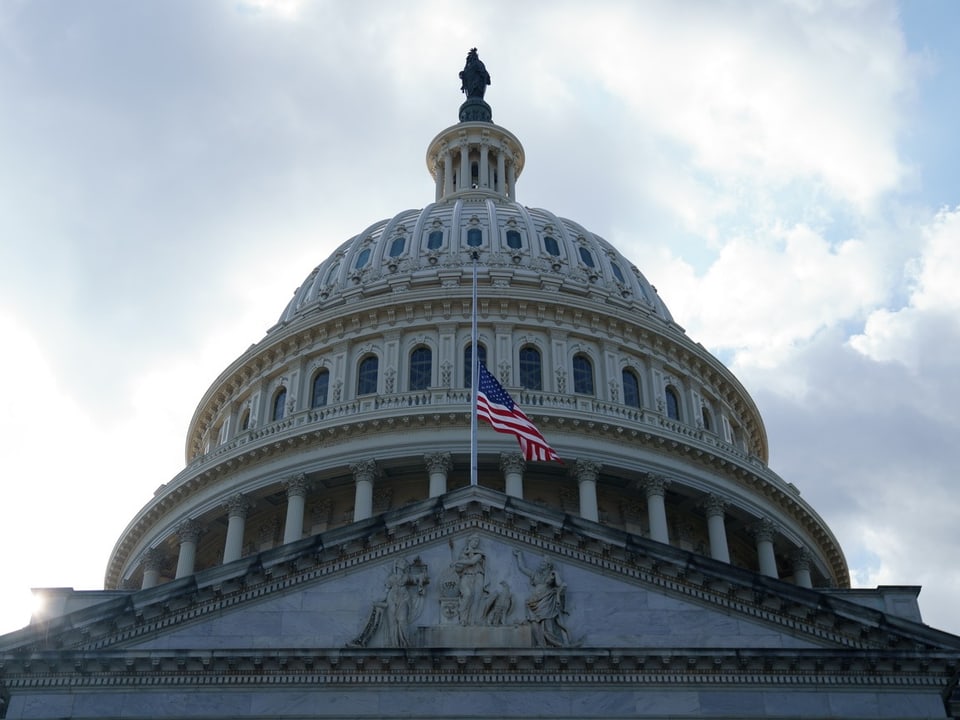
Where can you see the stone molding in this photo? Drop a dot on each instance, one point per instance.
(296, 485)
(189, 531)
(561, 668)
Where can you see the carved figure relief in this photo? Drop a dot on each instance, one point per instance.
(546, 603)
(395, 614)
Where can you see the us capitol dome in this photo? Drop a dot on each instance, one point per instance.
(357, 401)
(324, 552)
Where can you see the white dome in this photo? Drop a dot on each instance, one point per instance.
(548, 289)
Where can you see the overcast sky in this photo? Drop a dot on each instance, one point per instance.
(785, 174)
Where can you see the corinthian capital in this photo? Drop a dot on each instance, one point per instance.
(585, 469)
(438, 462)
(365, 470)
(189, 531)
(238, 505)
(296, 485)
(654, 484)
(512, 462)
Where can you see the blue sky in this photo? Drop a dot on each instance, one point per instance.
(784, 173)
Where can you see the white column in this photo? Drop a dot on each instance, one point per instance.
(484, 178)
(447, 173)
(438, 168)
(511, 180)
(463, 179)
(656, 489)
(152, 562)
(237, 507)
(364, 473)
(296, 487)
(501, 171)
(188, 532)
(716, 528)
(764, 532)
(587, 472)
(801, 568)
(438, 466)
(512, 465)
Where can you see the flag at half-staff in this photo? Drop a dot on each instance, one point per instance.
(495, 405)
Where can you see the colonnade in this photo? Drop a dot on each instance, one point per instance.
(512, 465)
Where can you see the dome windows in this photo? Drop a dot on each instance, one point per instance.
(397, 247)
(618, 273)
(279, 404)
(551, 245)
(531, 368)
(363, 257)
(467, 362)
(367, 372)
(421, 368)
(435, 240)
(706, 418)
(631, 388)
(672, 398)
(587, 257)
(514, 241)
(474, 237)
(582, 374)
(319, 388)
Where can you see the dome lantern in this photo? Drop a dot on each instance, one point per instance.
(475, 155)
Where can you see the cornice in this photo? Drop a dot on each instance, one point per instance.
(583, 667)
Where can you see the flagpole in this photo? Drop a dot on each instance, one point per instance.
(474, 375)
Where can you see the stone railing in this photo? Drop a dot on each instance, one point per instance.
(570, 407)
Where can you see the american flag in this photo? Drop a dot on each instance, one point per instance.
(495, 405)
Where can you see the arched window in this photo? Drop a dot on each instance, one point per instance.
(421, 368)
(435, 240)
(551, 246)
(514, 242)
(631, 388)
(467, 360)
(474, 237)
(279, 401)
(367, 375)
(582, 374)
(531, 368)
(245, 420)
(318, 392)
(673, 403)
(397, 246)
(707, 419)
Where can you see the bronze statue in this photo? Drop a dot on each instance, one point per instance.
(474, 76)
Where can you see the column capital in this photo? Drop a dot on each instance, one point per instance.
(714, 505)
(296, 485)
(238, 505)
(512, 462)
(189, 531)
(438, 462)
(584, 469)
(153, 559)
(764, 530)
(365, 470)
(654, 484)
(802, 559)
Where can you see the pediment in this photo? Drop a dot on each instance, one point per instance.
(476, 570)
